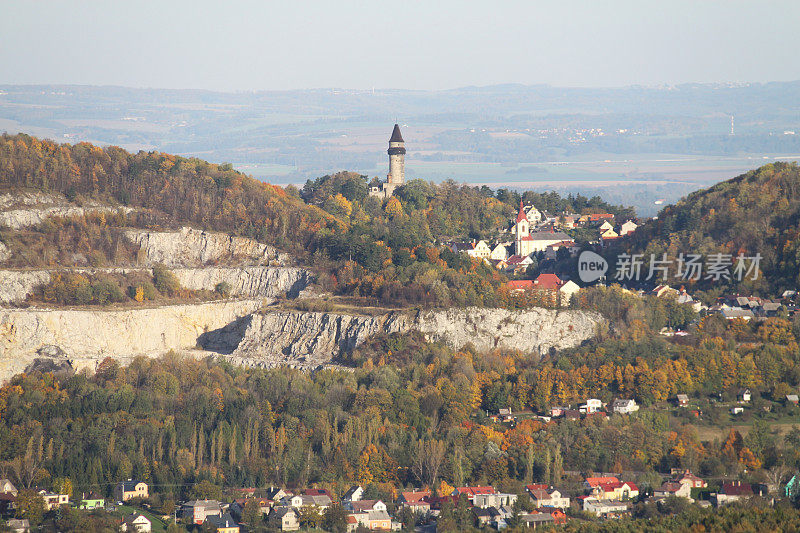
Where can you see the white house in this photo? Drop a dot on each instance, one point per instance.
(592, 405)
(624, 406)
(481, 250)
(605, 507)
(136, 523)
(499, 252)
(567, 290)
(628, 227)
(353, 494)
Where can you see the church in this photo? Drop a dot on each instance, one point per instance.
(527, 242)
(397, 154)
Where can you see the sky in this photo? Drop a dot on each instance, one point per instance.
(236, 45)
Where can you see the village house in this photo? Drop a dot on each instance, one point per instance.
(285, 518)
(499, 252)
(540, 519)
(353, 494)
(415, 500)
(498, 499)
(7, 487)
(196, 511)
(362, 506)
(743, 395)
(320, 501)
(91, 501)
(673, 488)
(374, 518)
(472, 491)
(732, 492)
(222, 524)
(615, 490)
(682, 400)
(690, 479)
(53, 500)
(544, 496)
(130, 489)
(592, 405)
(624, 407)
(136, 523)
(605, 508)
(518, 263)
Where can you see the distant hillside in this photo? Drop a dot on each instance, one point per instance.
(755, 213)
(186, 190)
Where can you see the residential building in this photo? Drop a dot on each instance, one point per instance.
(415, 500)
(222, 524)
(605, 508)
(673, 488)
(690, 479)
(543, 496)
(130, 489)
(732, 492)
(498, 499)
(7, 487)
(615, 490)
(627, 228)
(624, 407)
(353, 494)
(285, 518)
(499, 252)
(682, 400)
(472, 491)
(91, 501)
(743, 396)
(320, 501)
(362, 506)
(592, 405)
(53, 500)
(567, 290)
(196, 511)
(136, 523)
(373, 519)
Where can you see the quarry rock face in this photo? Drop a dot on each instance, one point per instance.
(309, 339)
(26, 209)
(256, 281)
(86, 337)
(191, 247)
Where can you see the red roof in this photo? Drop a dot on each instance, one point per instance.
(415, 496)
(737, 489)
(318, 492)
(521, 215)
(472, 491)
(522, 284)
(600, 216)
(548, 281)
(595, 481)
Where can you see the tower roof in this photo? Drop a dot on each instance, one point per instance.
(521, 215)
(396, 137)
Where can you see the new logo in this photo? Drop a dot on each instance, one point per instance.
(591, 266)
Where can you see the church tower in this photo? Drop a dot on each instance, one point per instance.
(522, 233)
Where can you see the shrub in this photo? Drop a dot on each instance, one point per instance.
(165, 281)
(223, 288)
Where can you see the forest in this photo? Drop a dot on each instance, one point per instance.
(755, 213)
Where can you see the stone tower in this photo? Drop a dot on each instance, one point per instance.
(397, 170)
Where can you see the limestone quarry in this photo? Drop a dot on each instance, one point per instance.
(245, 328)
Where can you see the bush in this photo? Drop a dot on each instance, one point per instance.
(165, 281)
(106, 291)
(223, 288)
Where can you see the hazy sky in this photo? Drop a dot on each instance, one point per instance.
(433, 44)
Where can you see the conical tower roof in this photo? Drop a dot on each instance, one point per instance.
(396, 137)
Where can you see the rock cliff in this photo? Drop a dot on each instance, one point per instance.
(25, 209)
(85, 337)
(308, 339)
(191, 247)
(256, 281)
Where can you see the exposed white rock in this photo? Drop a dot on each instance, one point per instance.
(85, 337)
(299, 338)
(256, 281)
(16, 285)
(247, 281)
(4, 252)
(191, 247)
